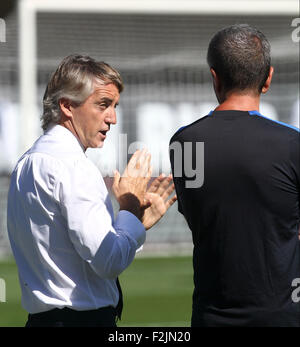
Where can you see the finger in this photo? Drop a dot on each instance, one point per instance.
(168, 191)
(133, 160)
(155, 184)
(137, 164)
(116, 180)
(147, 201)
(163, 185)
(146, 165)
(143, 166)
(149, 173)
(140, 159)
(170, 202)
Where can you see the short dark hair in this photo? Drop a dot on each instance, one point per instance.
(240, 56)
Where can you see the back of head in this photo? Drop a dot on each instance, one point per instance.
(75, 80)
(240, 56)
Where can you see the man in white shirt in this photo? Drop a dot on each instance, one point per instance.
(68, 246)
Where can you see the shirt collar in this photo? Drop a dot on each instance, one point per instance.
(233, 112)
(66, 135)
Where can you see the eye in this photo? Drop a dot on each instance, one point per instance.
(102, 105)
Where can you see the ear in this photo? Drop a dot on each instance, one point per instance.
(216, 80)
(66, 107)
(218, 87)
(267, 84)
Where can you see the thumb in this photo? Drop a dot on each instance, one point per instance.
(117, 178)
(147, 200)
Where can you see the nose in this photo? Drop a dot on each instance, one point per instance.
(111, 117)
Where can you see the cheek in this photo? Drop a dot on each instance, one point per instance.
(82, 119)
(94, 123)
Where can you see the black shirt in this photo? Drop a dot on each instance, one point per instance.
(244, 219)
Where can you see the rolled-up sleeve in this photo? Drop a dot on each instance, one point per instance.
(108, 245)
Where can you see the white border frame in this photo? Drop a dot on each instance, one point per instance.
(27, 33)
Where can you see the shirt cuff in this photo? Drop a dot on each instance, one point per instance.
(128, 222)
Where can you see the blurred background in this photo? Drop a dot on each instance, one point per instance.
(160, 50)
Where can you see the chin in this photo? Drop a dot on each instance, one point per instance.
(100, 145)
(96, 145)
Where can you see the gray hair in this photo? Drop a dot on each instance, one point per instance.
(75, 80)
(240, 55)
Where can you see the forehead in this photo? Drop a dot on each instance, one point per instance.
(106, 91)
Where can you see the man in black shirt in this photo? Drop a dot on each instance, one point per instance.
(244, 213)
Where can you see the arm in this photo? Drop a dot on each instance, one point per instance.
(108, 246)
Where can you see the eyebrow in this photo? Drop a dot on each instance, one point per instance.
(106, 99)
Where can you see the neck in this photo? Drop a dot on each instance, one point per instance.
(240, 102)
(69, 125)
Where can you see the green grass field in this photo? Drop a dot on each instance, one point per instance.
(157, 292)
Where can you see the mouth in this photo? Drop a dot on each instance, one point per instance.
(103, 133)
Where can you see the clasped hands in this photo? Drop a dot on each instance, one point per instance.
(131, 190)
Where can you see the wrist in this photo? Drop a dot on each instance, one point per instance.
(135, 211)
(131, 203)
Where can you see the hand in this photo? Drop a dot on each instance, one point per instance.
(130, 189)
(158, 195)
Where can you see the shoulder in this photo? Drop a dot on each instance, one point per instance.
(38, 167)
(188, 129)
(61, 168)
(37, 160)
(276, 125)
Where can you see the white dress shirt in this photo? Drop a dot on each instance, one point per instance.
(68, 247)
